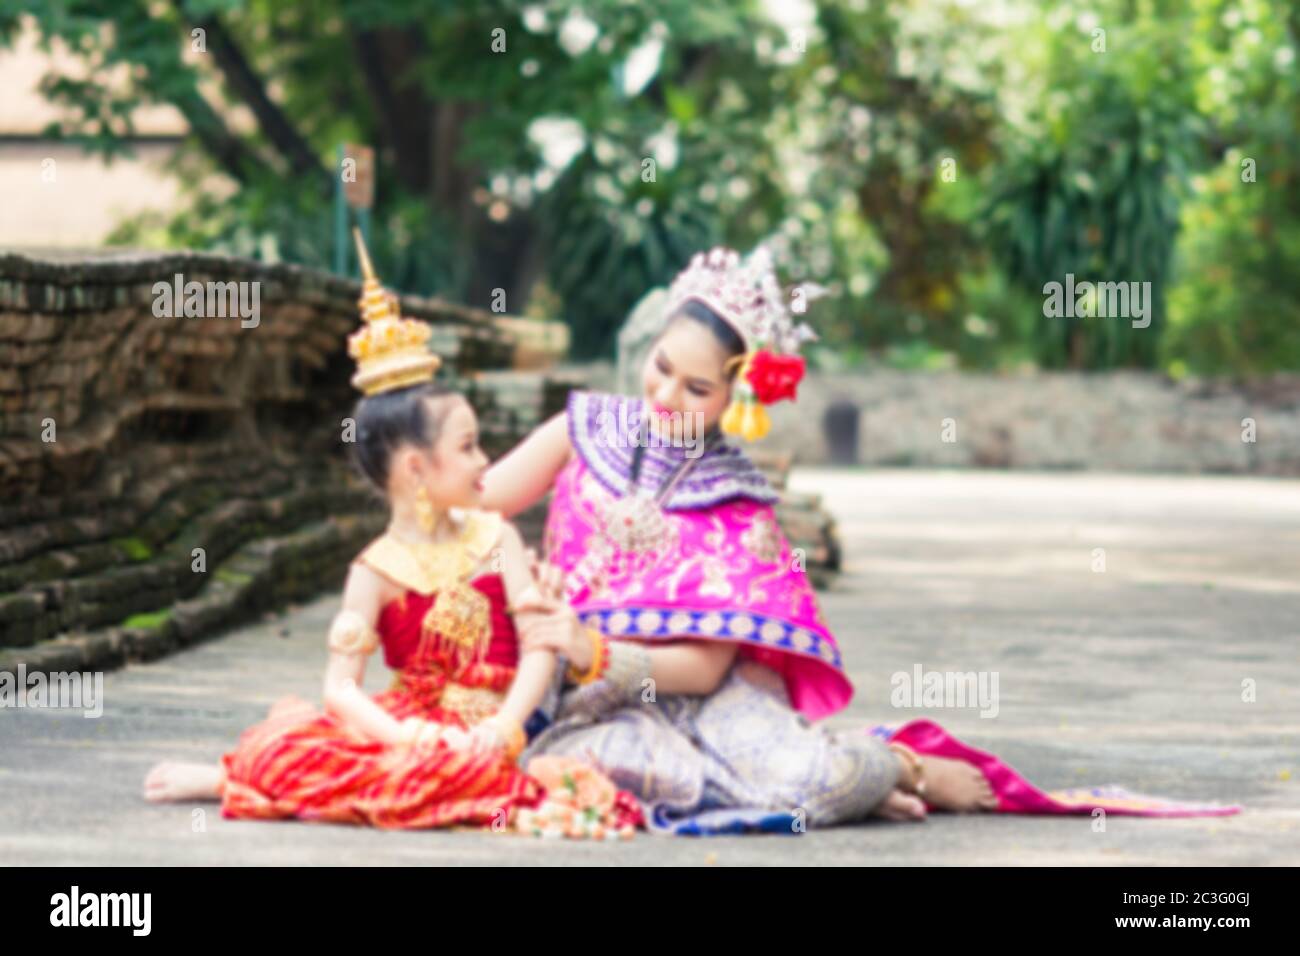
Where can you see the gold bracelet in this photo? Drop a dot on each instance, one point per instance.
(511, 732)
(599, 659)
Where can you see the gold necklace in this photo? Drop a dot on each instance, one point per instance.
(461, 614)
(444, 562)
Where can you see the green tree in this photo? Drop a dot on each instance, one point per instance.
(1093, 175)
(449, 93)
(1235, 307)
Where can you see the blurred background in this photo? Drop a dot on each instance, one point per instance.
(531, 176)
(931, 163)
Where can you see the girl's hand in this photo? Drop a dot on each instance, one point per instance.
(498, 734)
(424, 734)
(457, 739)
(546, 589)
(484, 738)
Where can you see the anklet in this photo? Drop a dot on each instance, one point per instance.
(914, 763)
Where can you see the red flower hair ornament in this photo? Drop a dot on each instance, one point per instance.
(774, 377)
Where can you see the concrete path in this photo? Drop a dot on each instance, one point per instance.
(1130, 675)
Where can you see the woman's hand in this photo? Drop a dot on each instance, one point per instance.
(554, 628)
(545, 620)
(559, 631)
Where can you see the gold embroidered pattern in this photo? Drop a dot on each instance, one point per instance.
(462, 616)
(472, 704)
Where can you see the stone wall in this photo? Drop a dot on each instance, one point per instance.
(134, 449)
(1116, 421)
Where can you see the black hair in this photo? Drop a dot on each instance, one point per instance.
(727, 337)
(389, 420)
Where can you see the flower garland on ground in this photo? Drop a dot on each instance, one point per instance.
(580, 803)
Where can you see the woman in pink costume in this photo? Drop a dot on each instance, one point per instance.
(699, 660)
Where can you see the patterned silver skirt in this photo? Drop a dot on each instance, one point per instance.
(736, 760)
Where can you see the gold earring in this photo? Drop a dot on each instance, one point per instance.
(424, 512)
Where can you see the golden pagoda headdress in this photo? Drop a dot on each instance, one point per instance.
(391, 352)
(746, 295)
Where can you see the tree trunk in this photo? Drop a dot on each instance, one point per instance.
(250, 88)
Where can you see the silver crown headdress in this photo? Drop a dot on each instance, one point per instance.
(746, 294)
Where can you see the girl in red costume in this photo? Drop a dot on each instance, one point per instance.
(438, 747)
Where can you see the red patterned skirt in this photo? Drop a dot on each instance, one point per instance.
(301, 764)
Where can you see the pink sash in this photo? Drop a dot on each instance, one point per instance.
(1017, 795)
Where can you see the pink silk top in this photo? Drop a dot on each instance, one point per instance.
(722, 571)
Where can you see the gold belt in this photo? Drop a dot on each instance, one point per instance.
(471, 703)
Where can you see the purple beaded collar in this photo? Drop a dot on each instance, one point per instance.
(605, 429)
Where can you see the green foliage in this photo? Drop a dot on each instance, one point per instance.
(606, 259)
(828, 137)
(151, 621)
(137, 549)
(1236, 305)
(1092, 179)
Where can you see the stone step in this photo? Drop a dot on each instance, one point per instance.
(152, 576)
(260, 576)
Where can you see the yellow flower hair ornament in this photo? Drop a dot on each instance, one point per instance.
(764, 378)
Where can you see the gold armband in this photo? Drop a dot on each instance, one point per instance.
(350, 634)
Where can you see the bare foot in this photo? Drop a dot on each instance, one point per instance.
(172, 781)
(900, 807)
(956, 786)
